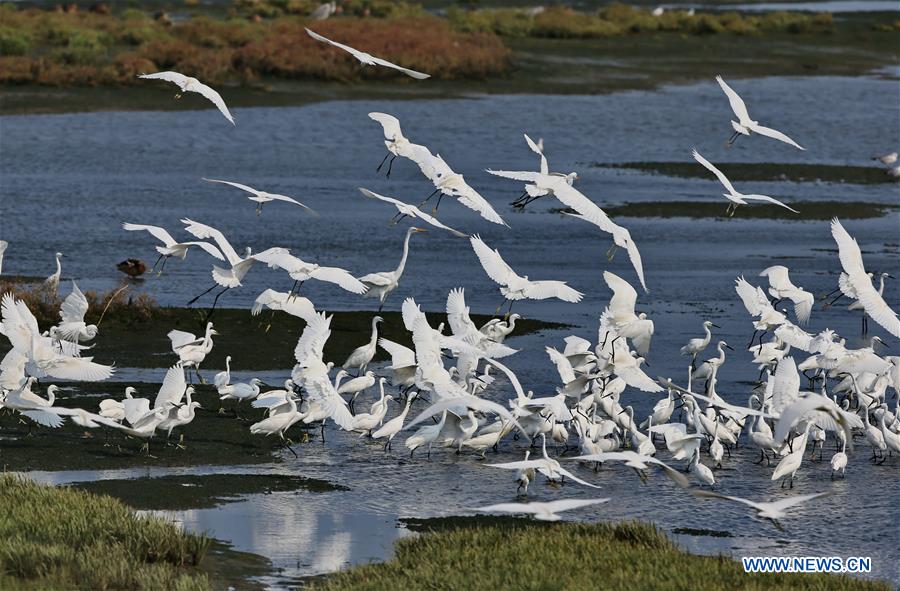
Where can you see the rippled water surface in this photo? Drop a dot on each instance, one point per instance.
(68, 181)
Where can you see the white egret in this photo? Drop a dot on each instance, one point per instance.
(398, 145)
(294, 305)
(380, 285)
(700, 471)
(839, 461)
(409, 210)
(170, 247)
(425, 436)
(368, 59)
(781, 287)
(262, 197)
(403, 363)
(547, 466)
(188, 84)
(515, 287)
(532, 191)
(390, 429)
(851, 260)
(639, 462)
(542, 511)
(362, 356)
(620, 315)
(745, 125)
(498, 329)
(447, 182)
(52, 282)
(72, 326)
(732, 195)
(773, 510)
(301, 271)
(240, 391)
(3, 246)
(192, 350)
(696, 346)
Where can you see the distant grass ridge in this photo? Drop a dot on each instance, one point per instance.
(765, 171)
(809, 210)
(264, 40)
(59, 538)
(518, 554)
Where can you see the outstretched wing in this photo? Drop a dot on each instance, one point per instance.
(736, 102)
(541, 290)
(233, 184)
(203, 231)
(389, 124)
(159, 233)
(339, 277)
(545, 168)
(624, 296)
(774, 134)
(174, 77)
(412, 73)
(216, 99)
(494, 265)
(710, 167)
(767, 199)
(74, 307)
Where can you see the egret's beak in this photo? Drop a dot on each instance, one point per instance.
(716, 325)
(422, 230)
(729, 347)
(214, 332)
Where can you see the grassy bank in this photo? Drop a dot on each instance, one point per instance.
(255, 43)
(517, 554)
(57, 538)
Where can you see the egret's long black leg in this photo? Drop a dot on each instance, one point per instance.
(435, 192)
(159, 258)
(215, 301)
(733, 137)
(203, 294)
(386, 156)
(163, 268)
(391, 166)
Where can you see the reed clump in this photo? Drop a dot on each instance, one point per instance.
(61, 538)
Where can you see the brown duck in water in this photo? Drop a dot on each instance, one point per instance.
(132, 267)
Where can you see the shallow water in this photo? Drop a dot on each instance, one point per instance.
(81, 175)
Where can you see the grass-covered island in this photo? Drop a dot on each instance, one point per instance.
(259, 53)
(493, 553)
(60, 538)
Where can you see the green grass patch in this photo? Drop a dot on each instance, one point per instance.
(58, 538)
(766, 171)
(182, 492)
(519, 554)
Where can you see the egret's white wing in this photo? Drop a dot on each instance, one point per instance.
(767, 199)
(216, 99)
(567, 504)
(736, 102)
(412, 73)
(74, 307)
(313, 338)
(475, 403)
(400, 356)
(436, 223)
(509, 508)
(636, 378)
(563, 366)
(754, 298)
(571, 476)
(513, 379)
(793, 335)
(180, 338)
(714, 495)
(159, 233)
(203, 231)
(389, 124)
(474, 201)
(710, 167)
(774, 134)
(233, 184)
(494, 265)
(355, 52)
(778, 277)
(208, 248)
(44, 418)
(339, 277)
(79, 369)
(786, 385)
(516, 175)
(458, 313)
(172, 389)
(174, 77)
(541, 290)
(873, 302)
(624, 296)
(545, 168)
(792, 501)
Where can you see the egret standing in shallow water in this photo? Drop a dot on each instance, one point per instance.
(380, 285)
(696, 346)
(360, 358)
(52, 282)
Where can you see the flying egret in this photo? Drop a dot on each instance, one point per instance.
(398, 145)
(542, 511)
(773, 510)
(301, 271)
(72, 326)
(515, 287)
(52, 282)
(621, 318)
(851, 260)
(639, 462)
(532, 191)
(547, 466)
(170, 247)
(367, 59)
(732, 195)
(261, 197)
(744, 125)
(380, 285)
(450, 183)
(188, 84)
(781, 287)
(409, 210)
(294, 305)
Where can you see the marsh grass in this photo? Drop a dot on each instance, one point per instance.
(496, 553)
(127, 309)
(59, 538)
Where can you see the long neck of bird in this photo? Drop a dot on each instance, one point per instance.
(374, 333)
(402, 264)
(708, 334)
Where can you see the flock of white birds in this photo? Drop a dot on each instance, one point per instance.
(846, 398)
